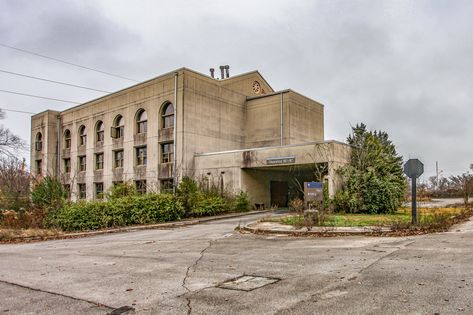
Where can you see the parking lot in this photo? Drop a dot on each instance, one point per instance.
(186, 270)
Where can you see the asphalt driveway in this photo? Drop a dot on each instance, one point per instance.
(180, 271)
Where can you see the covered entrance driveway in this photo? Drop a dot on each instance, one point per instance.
(277, 185)
(275, 175)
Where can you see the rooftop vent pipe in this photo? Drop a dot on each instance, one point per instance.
(222, 75)
(212, 70)
(227, 71)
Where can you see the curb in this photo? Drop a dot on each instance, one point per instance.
(325, 232)
(167, 225)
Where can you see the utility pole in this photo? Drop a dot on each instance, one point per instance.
(437, 172)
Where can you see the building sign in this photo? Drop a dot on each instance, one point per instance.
(313, 191)
(281, 160)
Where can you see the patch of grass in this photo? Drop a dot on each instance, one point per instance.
(427, 217)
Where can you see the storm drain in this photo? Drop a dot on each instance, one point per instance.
(247, 283)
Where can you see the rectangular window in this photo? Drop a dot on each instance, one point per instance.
(168, 121)
(117, 132)
(82, 139)
(142, 126)
(99, 161)
(39, 145)
(39, 166)
(99, 190)
(118, 158)
(82, 163)
(67, 165)
(100, 136)
(118, 182)
(141, 186)
(82, 191)
(120, 131)
(167, 152)
(141, 158)
(167, 185)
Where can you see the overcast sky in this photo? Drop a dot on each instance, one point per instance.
(405, 67)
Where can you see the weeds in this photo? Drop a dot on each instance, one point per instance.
(297, 205)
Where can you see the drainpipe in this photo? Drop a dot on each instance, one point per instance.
(58, 162)
(282, 121)
(174, 168)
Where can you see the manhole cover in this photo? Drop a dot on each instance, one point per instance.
(247, 283)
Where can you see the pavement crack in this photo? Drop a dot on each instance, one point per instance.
(193, 267)
(403, 246)
(58, 294)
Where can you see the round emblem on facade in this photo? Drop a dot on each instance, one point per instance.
(256, 87)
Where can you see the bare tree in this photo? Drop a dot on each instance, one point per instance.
(10, 143)
(14, 183)
(464, 184)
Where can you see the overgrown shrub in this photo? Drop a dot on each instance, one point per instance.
(49, 194)
(210, 205)
(82, 215)
(241, 202)
(188, 194)
(121, 190)
(374, 180)
(154, 208)
(129, 210)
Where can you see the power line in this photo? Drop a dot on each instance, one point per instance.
(67, 62)
(16, 111)
(43, 97)
(57, 82)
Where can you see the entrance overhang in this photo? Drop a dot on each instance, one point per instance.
(240, 166)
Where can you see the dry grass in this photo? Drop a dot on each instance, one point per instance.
(14, 235)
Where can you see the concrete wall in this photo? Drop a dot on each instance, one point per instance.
(243, 83)
(213, 118)
(302, 120)
(306, 119)
(263, 121)
(254, 174)
(46, 123)
(149, 96)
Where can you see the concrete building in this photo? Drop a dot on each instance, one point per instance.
(234, 133)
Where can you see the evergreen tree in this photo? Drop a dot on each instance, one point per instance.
(374, 180)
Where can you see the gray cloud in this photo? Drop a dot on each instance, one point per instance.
(401, 66)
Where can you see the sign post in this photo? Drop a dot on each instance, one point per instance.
(413, 168)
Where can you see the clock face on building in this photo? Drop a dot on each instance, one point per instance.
(256, 87)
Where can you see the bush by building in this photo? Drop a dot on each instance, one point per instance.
(129, 210)
(207, 200)
(374, 180)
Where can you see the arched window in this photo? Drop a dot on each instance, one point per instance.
(39, 142)
(99, 129)
(118, 128)
(82, 135)
(167, 115)
(141, 121)
(67, 139)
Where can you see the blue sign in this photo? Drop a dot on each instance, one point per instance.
(314, 185)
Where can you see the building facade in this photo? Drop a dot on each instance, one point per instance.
(235, 133)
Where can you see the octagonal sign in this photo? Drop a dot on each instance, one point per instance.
(413, 168)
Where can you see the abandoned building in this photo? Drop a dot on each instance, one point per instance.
(231, 132)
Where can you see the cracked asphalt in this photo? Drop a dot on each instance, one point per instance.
(177, 271)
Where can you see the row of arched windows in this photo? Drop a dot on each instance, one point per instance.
(118, 127)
